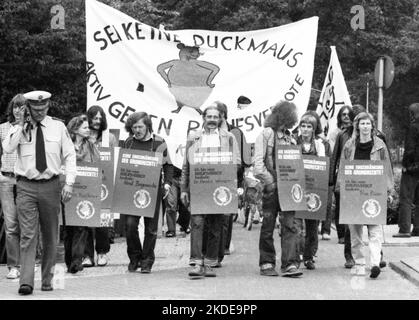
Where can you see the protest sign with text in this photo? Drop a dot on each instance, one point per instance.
(136, 182)
(290, 177)
(363, 192)
(317, 187)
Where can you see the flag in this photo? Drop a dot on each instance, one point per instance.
(173, 75)
(334, 95)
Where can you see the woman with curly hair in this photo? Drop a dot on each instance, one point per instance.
(276, 131)
(365, 145)
(76, 236)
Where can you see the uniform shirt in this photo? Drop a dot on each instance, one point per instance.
(210, 139)
(8, 160)
(58, 149)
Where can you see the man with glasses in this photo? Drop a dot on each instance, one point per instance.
(43, 145)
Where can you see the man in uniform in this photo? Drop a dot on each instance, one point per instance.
(43, 145)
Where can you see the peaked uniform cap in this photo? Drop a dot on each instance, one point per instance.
(37, 98)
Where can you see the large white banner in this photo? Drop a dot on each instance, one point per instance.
(174, 75)
(334, 94)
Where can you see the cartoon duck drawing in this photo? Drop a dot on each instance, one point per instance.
(189, 79)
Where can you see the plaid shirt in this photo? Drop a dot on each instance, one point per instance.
(8, 160)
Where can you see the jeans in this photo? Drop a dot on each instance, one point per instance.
(409, 194)
(11, 222)
(137, 253)
(38, 203)
(311, 243)
(223, 236)
(103, 245)
(326, 224)
(290, 230)
(209, 255)
(375, 239)
(174, 204)
(74, 244)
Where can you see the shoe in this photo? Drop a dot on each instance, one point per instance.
(186, 230)
(383, 264)
(270, 272)
(145, 270)
(350, 263)
(197, 272)
(75, 267)
(25, 289)
(209, 272)
(358, 270)
(402, 235)
(102, 260)
(133, 266)
(217, 265)
(375, 271)
(170, 234)
(87, 262)
(309, 264)
(341, 241)
(291, 271)
(46, 287)
(325, 236)
(14, 273)
(227, 252)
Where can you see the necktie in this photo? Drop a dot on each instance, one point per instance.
(41, 161)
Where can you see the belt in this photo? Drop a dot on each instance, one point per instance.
(8, 174)
(22, 178)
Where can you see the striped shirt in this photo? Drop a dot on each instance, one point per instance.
(8, 160)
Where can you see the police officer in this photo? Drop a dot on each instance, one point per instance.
(43, 145)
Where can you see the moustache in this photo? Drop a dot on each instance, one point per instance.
(212, 122)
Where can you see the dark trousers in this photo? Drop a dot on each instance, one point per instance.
(205, 248)
(409, 196)
(311, 243)
(102, 246)
(326, 224)
(137, 253)
(38, 203)
(224, 234)
(290, 230)
(173, 204)
(340, 228)
(74, 244)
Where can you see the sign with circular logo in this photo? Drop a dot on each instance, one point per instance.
(313, 202)
(85, 209)
(297, 193)
(371, 208)
(103, 192)
(142, 199)
(222, 196)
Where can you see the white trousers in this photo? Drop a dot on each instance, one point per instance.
(375, 239)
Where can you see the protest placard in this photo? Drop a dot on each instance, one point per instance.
(83, 209)
(363, 192)
(136, 182)
(213, 182)
(290, 177)
(317, 187)
(107, 167)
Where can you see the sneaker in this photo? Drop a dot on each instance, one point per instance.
(309, 264)
(402, 235)
(375, 271)
(209, 272)
(358, 270)
(197, 272)
(350, 263)
(270, 272)
(87, 262)
(102, 260)
(291, 271)
(133, 266)
(325, 236)
(14, 273)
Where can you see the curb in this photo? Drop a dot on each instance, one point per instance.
(405, 272)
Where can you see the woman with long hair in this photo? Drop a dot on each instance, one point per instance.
(365, 145)
(75, 236)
